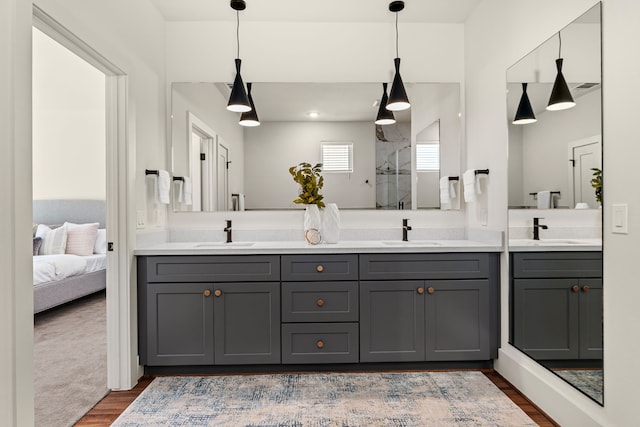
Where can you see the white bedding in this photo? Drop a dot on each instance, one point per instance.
(49, 268)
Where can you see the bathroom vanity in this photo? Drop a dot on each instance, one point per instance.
(278, 304)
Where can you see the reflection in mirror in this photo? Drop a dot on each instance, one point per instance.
(379, 173)
(556, 305)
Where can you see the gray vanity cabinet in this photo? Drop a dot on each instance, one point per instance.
(205, 310)
(429, 307)
(557, 304)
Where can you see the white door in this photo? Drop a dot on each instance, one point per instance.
(223, 177)
(194, 167)
(585, 158)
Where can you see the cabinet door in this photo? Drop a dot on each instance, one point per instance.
(546, 318)
(391, 321)
(247, 323)
(179, 324)
(457, 320)
(590, 318)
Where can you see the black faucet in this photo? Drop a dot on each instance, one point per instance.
(536, 227)
(405, 228)
(227, 230)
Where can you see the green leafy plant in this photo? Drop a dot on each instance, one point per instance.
(310, 181)
(596, 183)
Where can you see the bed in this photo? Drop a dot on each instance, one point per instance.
(61, 277)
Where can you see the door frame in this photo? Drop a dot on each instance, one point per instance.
(570, 164)
(123, 369)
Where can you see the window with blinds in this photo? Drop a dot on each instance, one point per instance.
(337, 157)
(427, 157)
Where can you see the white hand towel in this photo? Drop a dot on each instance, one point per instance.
(445, 196)
(179, 191)
(452, 189)
(470, 185)
(544, 199)
(187, 190)
(241, 201)
(164, 185)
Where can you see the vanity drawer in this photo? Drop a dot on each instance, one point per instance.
(320, 301)
(320, 343)
(424, 266)
(556, 264)
(319, 267)
(213, 268)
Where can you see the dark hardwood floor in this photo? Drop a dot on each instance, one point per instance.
(108, 409)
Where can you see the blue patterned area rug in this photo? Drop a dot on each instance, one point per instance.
(588, 381)
(405, 399)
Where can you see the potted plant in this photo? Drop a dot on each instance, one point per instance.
(311, 182)
(596, 183)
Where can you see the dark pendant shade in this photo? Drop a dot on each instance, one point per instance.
(238, 101)
(385, 117)
(250, 118)
(524, 115)
(561, 98)
(398, 99)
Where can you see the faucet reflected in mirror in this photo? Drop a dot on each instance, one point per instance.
(556, 293)
(405, 229)
(227, 230)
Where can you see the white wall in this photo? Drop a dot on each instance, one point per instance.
(509, 30)
(69, 151)
(273, 147)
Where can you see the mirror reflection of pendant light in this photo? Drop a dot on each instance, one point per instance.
(385, 117)
(238, 100)
(524, 114)
(561, 98)
(398, 99)
(250, 118)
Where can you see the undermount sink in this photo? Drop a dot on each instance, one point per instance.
(223, 244)
(418, 243)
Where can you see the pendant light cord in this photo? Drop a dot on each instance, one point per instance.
(397, 56)
(238, 33)
(559, 45)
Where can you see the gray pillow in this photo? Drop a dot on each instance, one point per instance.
(37, 242)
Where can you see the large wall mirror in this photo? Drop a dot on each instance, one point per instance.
(231, 167)
(555, 165)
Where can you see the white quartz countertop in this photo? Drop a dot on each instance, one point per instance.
(554, 245)
(301, 247)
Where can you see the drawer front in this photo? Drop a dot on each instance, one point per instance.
(319, 267)
(424, 266)
(556, 264)
(206, 268)
(320, 343)
(320, 302)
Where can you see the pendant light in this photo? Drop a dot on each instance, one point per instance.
(385, 117)
(398, 99)
(250, 118)
(524, 114)
(238, 100)
(561, 98)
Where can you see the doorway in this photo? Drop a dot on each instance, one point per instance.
(585, 155)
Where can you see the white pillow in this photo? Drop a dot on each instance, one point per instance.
(101, 242)
(81, 238)
(54, 242)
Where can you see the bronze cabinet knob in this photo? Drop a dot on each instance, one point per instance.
(207, 293)
(320, 344)
(586, 288)
(319, 268)
(320, 303)
(421, 291)
(218, 292)
(430, 290)
(575, 288)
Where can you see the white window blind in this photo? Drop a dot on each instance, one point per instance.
(337, 157)
(427, 157)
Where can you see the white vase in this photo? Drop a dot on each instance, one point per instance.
(330, 223)
(312, 224)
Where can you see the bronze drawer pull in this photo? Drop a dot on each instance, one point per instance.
(320, 344)
(575, 288)
(319, 268)
(218, 292)
(320, 303)
(430, 290)
(586, 288)
(420, 291)
(207, 293)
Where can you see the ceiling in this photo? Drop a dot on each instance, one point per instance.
(431, 11)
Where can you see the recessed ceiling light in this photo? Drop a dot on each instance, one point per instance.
(313, 114)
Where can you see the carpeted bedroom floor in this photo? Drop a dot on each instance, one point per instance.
(70, 360)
